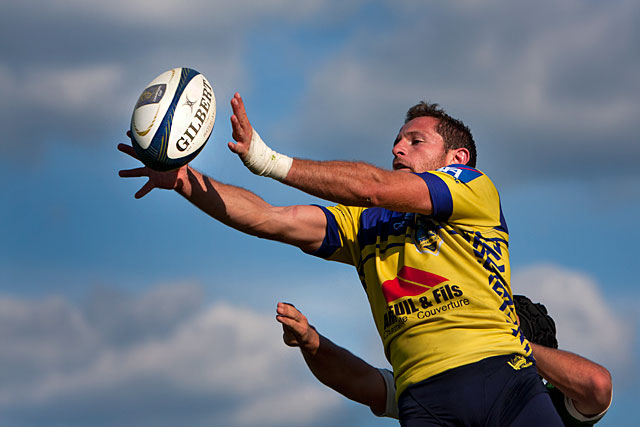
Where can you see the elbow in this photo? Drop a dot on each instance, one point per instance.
(378, 408)
(602, 387)
(599, 390)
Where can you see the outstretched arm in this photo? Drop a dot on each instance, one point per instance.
(302, 226)
(585, 382)
(349, 183)
(361, 184)
(331, 364)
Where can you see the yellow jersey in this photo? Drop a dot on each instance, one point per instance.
(438, 285)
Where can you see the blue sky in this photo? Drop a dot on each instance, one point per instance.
(117, 311)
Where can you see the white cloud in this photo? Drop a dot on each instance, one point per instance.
(524, 76)
(37, 336)
(70, 101)
(299, 405)
(83, 102)
(74, 69)
(227, 361)
(534, 61)
(586, 321)
(188, 15)
(77, 90)
(533, 79)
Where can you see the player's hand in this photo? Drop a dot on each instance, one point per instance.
(296, 329)
(169, 180)
(242, 130)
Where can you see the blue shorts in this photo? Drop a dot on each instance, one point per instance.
(487, 393)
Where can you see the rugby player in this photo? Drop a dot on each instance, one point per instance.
(430, 245)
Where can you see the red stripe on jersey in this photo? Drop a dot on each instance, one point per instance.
(419, 276)
(410, 282)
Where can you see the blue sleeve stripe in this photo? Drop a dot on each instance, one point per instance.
(440, 196)
(332, 241)
(380, 223)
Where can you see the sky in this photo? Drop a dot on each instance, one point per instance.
(116, 311)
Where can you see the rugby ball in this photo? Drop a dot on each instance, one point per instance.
(173, 119)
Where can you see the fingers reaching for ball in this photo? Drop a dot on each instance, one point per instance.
(134, 173)
(166, 180)
(241, 127)
(146, 189)
(131, 173)
(128, 149)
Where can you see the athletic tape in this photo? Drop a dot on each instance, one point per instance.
(264, 161)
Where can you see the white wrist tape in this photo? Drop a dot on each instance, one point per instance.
(263, 161)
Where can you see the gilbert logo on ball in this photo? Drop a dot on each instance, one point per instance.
(173, 119)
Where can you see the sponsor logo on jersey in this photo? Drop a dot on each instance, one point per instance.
(433, 298)
(410, 282)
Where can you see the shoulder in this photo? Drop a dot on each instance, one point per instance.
(462, 173)
(458, 173)
(457, 178)
(464, 194)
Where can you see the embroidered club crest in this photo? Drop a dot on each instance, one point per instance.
(426, 235)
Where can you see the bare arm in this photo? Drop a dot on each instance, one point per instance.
(585, 382)
(302, 226)
(361, 184)
(350, 183)
(331, 364)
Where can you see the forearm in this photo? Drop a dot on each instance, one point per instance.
(331, 364)
(360, 184)
(349, 183)
(245, 211)
(233, 206)
(346, 373)
(586, 383)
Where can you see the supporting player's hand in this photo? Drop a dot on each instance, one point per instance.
(169, 180)
(242, 130)
(296, 328)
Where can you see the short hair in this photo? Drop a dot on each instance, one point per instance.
(454, 133)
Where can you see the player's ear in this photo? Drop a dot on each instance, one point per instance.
(458, 156)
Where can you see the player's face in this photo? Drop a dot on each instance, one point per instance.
(419, 147)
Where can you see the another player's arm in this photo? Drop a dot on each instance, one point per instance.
(331, 364)
(585, 382)
(302, 226)
(349, 183)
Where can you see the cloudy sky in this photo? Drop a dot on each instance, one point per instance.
(115, 311)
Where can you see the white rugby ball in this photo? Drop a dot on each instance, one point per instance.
(173, 119)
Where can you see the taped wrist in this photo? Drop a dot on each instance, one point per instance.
(264, 161)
